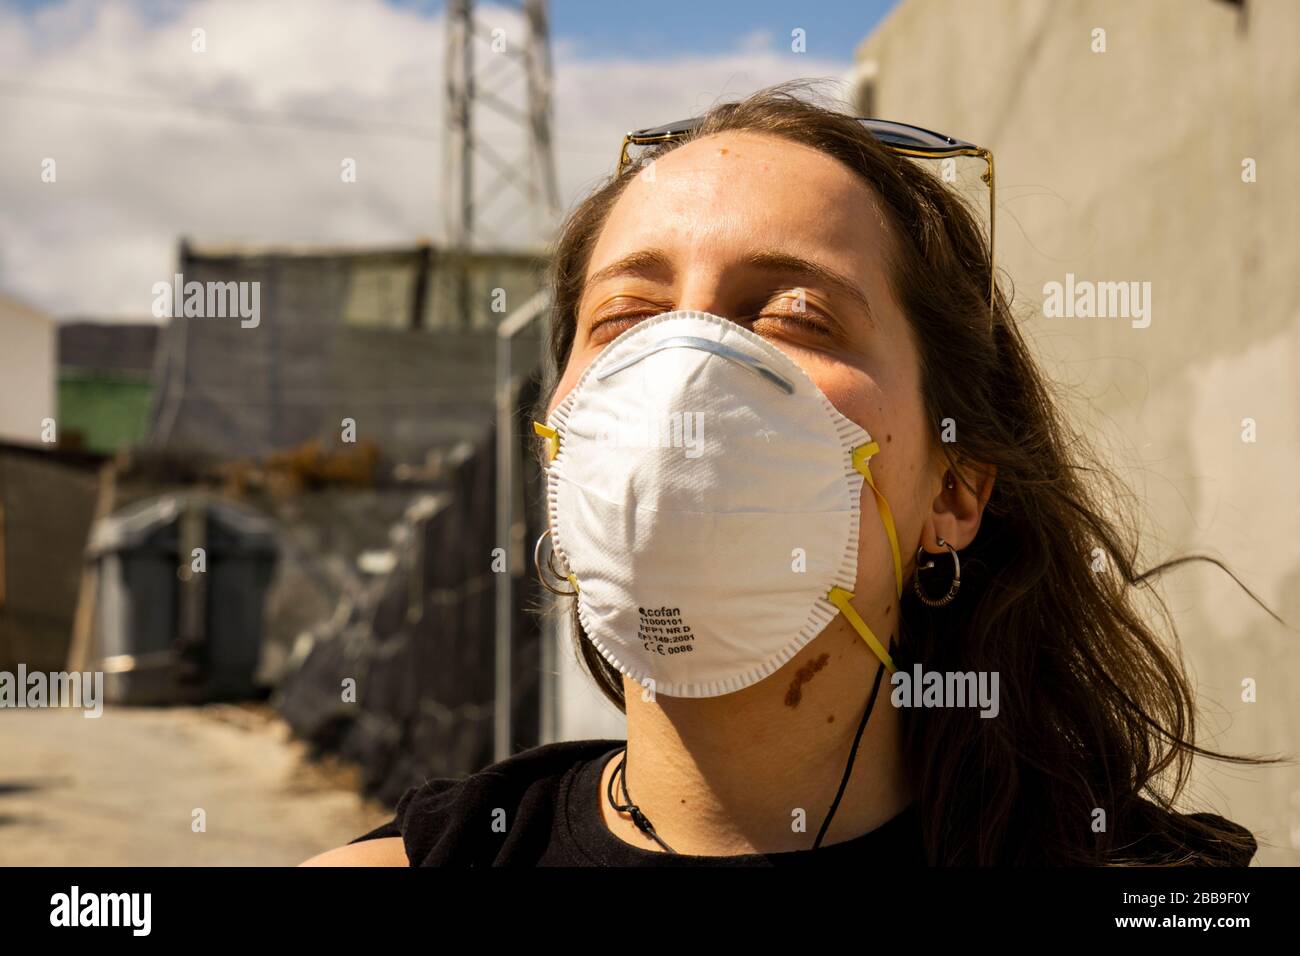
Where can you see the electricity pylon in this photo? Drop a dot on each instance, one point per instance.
(485, 112)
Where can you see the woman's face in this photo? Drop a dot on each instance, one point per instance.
(741, 224)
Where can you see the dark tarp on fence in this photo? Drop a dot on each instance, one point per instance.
(238, 388)
(419, 643)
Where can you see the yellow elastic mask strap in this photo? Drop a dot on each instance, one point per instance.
(841, 598)
(860, 456)
(552, 439)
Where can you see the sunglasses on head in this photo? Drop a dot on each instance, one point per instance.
(902, 138)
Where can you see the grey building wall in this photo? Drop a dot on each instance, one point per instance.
(1127, 166)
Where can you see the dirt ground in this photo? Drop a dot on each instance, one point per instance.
(121, 789)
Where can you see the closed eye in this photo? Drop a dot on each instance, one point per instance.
(806, 321)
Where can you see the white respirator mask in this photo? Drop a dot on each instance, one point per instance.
(704, 499)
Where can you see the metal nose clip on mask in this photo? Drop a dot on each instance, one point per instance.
(704, 498)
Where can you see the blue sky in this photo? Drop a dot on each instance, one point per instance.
(665, 29)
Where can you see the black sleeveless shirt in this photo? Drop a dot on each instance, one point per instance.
(542, 807)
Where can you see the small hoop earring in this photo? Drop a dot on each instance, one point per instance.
(550, 563)
(952, 588)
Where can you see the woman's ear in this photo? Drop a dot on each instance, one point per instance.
(958, 505)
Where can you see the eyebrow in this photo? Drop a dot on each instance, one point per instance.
(646, 263)
(656, 264)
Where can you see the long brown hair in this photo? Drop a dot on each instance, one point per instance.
(1096, 712)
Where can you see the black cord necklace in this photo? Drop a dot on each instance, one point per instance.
(639, 818)
(645, 826)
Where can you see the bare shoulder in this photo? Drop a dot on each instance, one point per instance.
(386, 851)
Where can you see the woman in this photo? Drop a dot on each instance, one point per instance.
(779, 267)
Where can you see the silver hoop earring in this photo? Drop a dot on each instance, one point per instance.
(550, 563)
(952, 588)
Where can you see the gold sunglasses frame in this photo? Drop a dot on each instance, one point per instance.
(641, 138)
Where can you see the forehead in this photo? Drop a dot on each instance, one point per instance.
(742, 190)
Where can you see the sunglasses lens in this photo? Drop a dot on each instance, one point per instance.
(901, 134)
(681, 126)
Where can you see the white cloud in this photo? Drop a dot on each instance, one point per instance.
(95, 86)
(757, 41)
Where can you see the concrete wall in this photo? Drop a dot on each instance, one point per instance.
(1127, 166)
(27, 371)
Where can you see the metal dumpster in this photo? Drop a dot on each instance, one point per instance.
(182, 580)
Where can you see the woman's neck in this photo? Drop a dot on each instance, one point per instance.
(756, 771)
